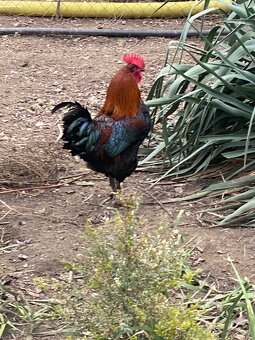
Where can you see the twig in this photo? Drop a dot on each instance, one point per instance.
(10, 208)
(190, 241)
(90, 196)
(2, 249)
(60, 129)
(7, 213)
(156, 200)
(31, 188)
(2, 236)
(50, 181)
(75, 175)
(41, 187)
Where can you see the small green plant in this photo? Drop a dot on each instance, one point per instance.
(128, 284)
(18, 315)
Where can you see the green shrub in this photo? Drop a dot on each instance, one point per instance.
(127, 284)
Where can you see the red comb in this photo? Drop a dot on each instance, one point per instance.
(134, 59)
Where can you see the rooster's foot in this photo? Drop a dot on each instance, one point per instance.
(115, 200)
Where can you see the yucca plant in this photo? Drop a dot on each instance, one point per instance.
(207, 107)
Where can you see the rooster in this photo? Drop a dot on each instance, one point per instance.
(109, 143)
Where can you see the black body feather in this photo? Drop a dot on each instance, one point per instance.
(108, 146)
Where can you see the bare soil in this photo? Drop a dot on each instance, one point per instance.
(46, 196)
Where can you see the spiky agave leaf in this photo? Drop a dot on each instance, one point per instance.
(206, 109)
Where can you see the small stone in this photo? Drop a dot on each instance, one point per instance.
(22, 257)
(24, 64)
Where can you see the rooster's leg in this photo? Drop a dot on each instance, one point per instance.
(117, 183)
(113, 184)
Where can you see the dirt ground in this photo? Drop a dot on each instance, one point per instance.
(46, 196)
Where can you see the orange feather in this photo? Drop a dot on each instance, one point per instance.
(123, 95)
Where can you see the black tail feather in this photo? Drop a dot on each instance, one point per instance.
(74, 111)
(76, 126)
(67, 104)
